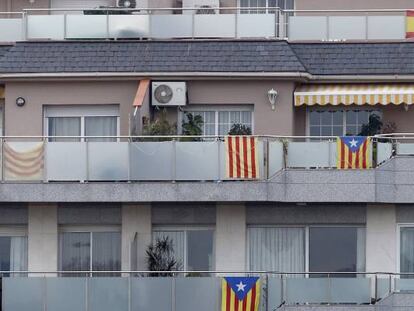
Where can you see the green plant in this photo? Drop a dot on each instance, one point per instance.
(193, 125)
(160, 126)
(240, 129)
(373, 126)
(160, 257)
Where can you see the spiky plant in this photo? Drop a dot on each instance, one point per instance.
(160, 257)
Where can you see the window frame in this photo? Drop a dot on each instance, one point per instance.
(82, 112)
(344, 111)
(398, 243)
(185, 229)
(239, 4)
(90, 229)
(216, 110)
(306, 237)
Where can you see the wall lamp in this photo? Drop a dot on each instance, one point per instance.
(272, 95)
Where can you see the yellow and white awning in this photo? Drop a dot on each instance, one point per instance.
(354, 94)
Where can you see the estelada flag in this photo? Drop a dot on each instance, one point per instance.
(240, 294)
(409, 32)
(353, 152)
(241, 157)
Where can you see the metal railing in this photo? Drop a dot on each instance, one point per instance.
(171, 158)
(128, 288)
(196, 22)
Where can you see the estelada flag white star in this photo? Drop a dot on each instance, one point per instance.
(353, 152)
(240, 294)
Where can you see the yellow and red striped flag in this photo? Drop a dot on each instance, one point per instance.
(409, 32)
(353, 152)
(241, 157)
(240, 294)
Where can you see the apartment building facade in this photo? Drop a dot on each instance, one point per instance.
(85, 189)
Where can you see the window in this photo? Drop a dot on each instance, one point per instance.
(338, 122)
(82, 121)
(330, 249)
(337, 249)
(13, 252)
(277, 249)
(219, 122)
(407, 250)
(90, 251)
(193, 248)
(283, 4)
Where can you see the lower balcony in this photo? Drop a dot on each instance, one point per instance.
(184, 292)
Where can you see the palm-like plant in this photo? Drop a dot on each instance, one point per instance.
(160, 257)
(193, 125)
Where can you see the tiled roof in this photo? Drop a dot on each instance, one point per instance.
(151, 56)
(242, 56)
(356, 58)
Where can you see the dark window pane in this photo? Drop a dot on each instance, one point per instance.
(64, 126)
(5, 253)
(326, 130)
(314, 131)
(75, 251)
(337, 131)
(333, 249)
(106, 251)
(351, 117)
(200, 250)
(326, 118)
(407, 250)
(337, 118)
(314, 118)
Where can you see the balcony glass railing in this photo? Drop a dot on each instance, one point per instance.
(176, 158)
(144, 291)
(233, 22)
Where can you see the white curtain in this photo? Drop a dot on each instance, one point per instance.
(64, 126)
(74, 251)
(18, 253)
(277, 249)
(361, 249)
(101, 126)
(178, 241)
(106, 251)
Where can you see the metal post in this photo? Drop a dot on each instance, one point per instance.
(107, 24)
(87, 160)
(65, 26)
(376, 288)
(44, 160)
(174, 161)
(366, 26)
(25, 25)
(218, 142)
(129, 158)
(192, 25)
(236, 28)
(329, 290)
(266, 158)
(327, 28)
(2, 159)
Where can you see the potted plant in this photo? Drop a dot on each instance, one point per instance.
(160, 257)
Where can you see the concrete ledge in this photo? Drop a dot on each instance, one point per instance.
(390, 183)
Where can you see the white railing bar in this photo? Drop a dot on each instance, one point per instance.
(201, 271)
(153, 9)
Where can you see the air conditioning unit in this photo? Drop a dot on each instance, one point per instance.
(202, 6)
(128, 4)
(166, 94)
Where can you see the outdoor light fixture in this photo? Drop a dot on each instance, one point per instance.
(20, 101)
(406, 107)
(272, 95)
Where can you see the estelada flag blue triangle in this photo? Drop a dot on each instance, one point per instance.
(353, 152)
(240, 293)
(241, 285)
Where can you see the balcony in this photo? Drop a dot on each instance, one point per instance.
(137, 291)
(184, 23)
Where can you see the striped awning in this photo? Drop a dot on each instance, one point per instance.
(354, 94)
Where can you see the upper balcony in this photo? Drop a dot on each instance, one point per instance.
(220, 23)
(200, 169)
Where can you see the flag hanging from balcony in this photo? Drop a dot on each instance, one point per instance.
(240, 294)
(23, 161)
(353, 152)
(241, 157)
(409, 33)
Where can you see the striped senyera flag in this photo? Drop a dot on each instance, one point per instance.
(241, 157)
(409, 32)
(240, 294)
(353, 152)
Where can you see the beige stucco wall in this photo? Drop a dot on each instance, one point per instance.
(402, 118)
(239, 92)
(352, 4)
(28, 120)
(236, 92)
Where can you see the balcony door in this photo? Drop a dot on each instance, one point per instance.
(100, 121)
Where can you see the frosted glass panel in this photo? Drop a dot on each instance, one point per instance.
(220, 25)
(197, 161)
(11, 29)
(129, 26)
(45, 27)
(171, 26)
(108, 161)
(86, 26)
